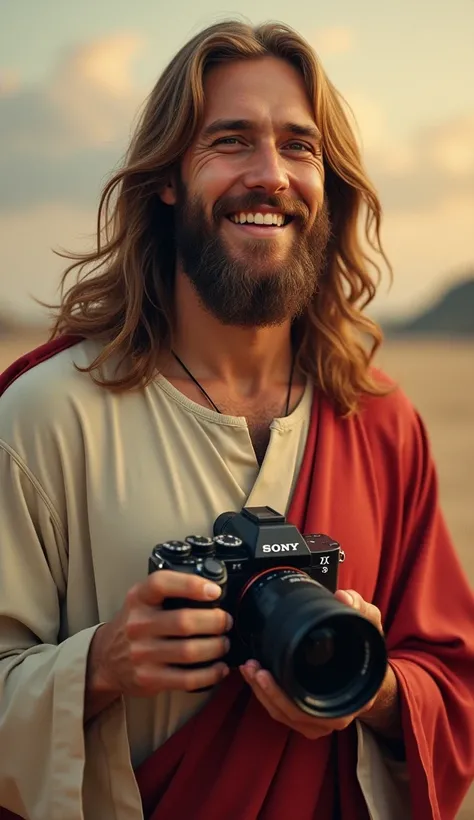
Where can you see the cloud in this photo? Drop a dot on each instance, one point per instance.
(86, 103)
(367, 118)
(57, 140)
(104, 64)
(94, 91)
(450, 146)
(439, 167)
(418, 170)
(333, 41)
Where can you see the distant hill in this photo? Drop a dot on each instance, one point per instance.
(451, 315)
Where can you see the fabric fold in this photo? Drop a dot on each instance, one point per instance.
(42, 690)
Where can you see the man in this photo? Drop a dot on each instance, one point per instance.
(213, 359)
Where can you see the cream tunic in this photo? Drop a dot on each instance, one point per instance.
(90, 481)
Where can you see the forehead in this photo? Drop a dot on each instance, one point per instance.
(264, 90)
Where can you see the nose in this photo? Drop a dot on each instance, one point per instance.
(267, 171)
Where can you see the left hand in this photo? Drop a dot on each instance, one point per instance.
(281, 708)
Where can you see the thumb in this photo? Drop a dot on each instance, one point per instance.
(344, 597)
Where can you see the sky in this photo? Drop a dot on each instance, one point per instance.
(74, 75)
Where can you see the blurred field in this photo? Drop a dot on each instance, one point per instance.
(439, 378)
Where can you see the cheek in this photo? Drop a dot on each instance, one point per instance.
(213, 179)
(312, 189)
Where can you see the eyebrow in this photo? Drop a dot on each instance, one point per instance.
(218, 126)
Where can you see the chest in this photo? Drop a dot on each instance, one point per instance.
(259, 421)
(259, 413)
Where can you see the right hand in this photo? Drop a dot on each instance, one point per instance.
(135, 654)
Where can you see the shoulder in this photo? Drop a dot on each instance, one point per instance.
(42, 389)
(392, 414)
(46, 372)
(392, 427)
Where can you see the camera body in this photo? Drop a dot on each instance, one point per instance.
(246, 548)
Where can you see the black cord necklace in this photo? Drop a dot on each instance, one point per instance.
(201, 388)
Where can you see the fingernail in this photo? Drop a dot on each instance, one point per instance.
(226, 644)
(225, 671)
(262, 680)
(212, 591)
(229, 621)
(349, 598)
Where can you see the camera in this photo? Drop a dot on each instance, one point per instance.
(278, 586)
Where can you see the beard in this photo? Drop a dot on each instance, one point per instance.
(257, 287)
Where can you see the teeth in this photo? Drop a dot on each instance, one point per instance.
(258, 219)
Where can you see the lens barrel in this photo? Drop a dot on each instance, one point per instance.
(328, 658)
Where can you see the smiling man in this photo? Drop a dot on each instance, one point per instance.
(214, 355)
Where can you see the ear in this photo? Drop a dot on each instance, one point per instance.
(168, 193)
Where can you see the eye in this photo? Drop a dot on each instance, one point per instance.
(299, 147)
(227, 141)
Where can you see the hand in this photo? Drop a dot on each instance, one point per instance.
(137, 653)
(279, 705)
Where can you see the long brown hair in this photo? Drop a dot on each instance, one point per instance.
(123, 294)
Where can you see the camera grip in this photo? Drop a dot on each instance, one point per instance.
(211, 570)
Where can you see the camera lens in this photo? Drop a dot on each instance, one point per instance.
(315, 650)
(323, 665)
(327, 658)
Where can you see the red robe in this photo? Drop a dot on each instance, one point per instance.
(367, 481)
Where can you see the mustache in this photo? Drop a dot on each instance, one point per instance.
(250, 202)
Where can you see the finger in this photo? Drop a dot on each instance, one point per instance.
(152, 679)
(356, 601)
(152, 622)
(262, 697)
(169, 584)
(265, 683)
(271, 696)
(194, 650)
(344, 597)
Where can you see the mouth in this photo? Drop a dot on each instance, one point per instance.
(262, 220)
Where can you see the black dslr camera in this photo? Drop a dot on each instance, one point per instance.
(278, 586)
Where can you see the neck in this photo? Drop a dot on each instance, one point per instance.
(255, 356)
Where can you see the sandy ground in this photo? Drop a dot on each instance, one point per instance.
(439, 378)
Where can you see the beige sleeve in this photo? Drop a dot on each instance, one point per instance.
(41, 683)
(384, 782)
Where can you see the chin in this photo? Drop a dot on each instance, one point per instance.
(265, 259)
